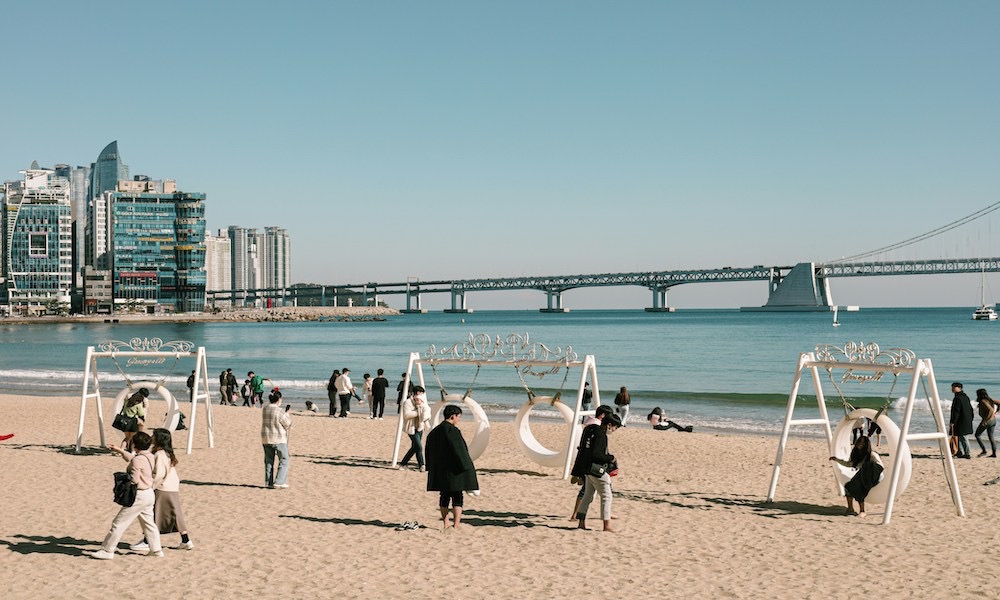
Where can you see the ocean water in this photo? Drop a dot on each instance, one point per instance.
(714, 369)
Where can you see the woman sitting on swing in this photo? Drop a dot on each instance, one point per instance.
(869, 474)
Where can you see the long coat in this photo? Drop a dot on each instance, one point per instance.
(961, 414)
(449, 466)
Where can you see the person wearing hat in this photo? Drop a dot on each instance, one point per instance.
(960, 423)
(593, 463)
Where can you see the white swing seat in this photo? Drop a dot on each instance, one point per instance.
(526, 439)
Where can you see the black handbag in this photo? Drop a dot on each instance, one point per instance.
(123, 423)
(598, 469)
(124, 489)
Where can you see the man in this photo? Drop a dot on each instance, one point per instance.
(588, 396)
(449, 467)
(223, 380)
(190, 384)
(379, 385)
(231, 386)
(275, 423)
(399, 392)
(256, 388)
(345, 389)
(961, 419)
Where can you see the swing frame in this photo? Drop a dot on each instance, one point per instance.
(145, 351)
(514, 350)
(868, 358)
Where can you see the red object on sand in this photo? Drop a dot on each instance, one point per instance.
(6, 437)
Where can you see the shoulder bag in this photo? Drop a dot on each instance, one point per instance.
(125, 488)
(126, 424)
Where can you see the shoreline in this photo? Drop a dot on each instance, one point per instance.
(249, 315)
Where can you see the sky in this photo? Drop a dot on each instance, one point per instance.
(437, 140)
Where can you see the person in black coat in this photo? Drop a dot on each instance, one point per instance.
(593, 463)
(449, 467)
(961, 419)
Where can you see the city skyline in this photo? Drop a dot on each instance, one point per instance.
(452, 141)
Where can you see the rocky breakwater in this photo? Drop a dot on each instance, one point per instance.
(308, 313)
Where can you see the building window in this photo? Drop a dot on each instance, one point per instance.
(38, 245)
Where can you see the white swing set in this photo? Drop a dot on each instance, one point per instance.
(146, 352)
(524, 356)
(862, 363)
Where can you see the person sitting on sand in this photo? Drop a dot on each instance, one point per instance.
(311, 407)
(660, 423)
(869, 473)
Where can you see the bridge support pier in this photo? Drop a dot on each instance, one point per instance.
(554, 302)
(660, 300)
(458, 302)
(413, 303)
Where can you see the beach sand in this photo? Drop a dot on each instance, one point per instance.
(689, 510)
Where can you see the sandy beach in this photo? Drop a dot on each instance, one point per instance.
(689, 508)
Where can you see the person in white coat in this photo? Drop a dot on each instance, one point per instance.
(416, 420)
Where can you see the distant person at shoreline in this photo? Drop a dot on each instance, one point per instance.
(622, 402)
(190, 385)
(231, 384)
(379, 386)
(660, 423)
(450, 470)
(256, 388)
(311, 407)
(988, 422)
(961, 419)
(587, 398)
(275, 423)
(345, 389)
(331, 392)
(366, 392)
(399, 391)
(416, 419)
(869, 473)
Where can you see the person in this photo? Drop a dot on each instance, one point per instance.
(399, 391)
(256, 388)
(961, 419)
(379, 385)
(366, 393)
(167, 511)
(190, 385)
(345, 389)
(275, 423)
(223, 384)
(311, 407)
(864, 426)
(660, 423)
(869, 473)
(593, 451)
(140, 468)
(450, 470)
(600, 414)
(622, 402)
(245, 392)
(416, 418)
(588, 395)
(988, 421)
(135, 406)
(230, 388)
(331, 392)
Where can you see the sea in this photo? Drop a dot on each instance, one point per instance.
(715, 369)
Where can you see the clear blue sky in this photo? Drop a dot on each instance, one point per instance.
(475, 139)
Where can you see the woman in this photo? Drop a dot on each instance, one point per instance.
(594, 451)
(869, 473)
(660, 423)
(331, 392)
(167, 511)
(988, 416)
(274, 426)
(135, 406)
(140, 467)
(416, 418)
(622, 401)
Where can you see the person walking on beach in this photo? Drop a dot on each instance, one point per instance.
(345, 389)
(135, 406)
(331, 392)
(366, 393)
(600, 414)
(256, 388)
(416, 418)
(399, 391)
(594, 463)
(869, 473)
(274, 427)
(450, 470)
(379, 386)
(588, 396)
(622, 402)
(988, 421)
(231, 385)
(961, 419)
(140, 468)
(167, 511)
(223, 384)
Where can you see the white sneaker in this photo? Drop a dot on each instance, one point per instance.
(188, 545)
(102, 554)
(139, 547)
(281, 486)
(158, 553)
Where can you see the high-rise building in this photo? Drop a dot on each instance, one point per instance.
(158, 247)
(37, 255)
(218, 263)
(276, 258)
(245, 264)
(79, 199)
(105, 174)
(260, 261)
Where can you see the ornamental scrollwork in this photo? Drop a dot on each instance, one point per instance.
(138, 344)
(865, 353)
(516, 348)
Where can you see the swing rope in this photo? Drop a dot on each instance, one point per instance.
(444, 392)
(531, 394)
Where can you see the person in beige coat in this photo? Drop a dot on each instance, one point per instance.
(416, 419)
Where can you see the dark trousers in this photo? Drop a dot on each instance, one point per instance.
(378, 406)
(333, 403)
(416, 447)
(345, 404)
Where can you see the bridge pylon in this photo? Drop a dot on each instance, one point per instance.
(803, 289)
